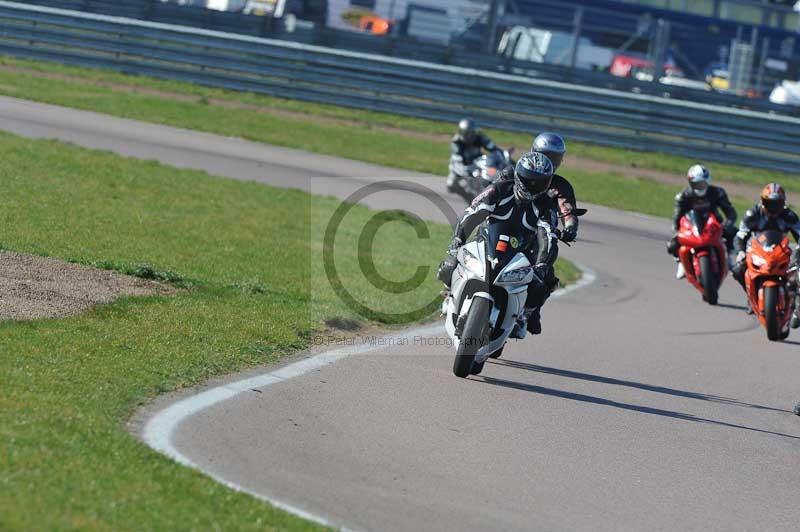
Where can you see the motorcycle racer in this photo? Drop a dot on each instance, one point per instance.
(467, 146)
(524, 205)
(553, 146)
(562, 194)
(770, 213)
(561, 191)
(701, 195)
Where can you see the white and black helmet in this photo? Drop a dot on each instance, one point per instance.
(551, 145)
(532, 176)
(699, 179)
(467, 130)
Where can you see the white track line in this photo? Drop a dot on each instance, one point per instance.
(158, 430)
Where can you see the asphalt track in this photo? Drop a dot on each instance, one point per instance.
(639, 408)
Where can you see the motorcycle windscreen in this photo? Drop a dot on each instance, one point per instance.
(699, 218)
(501, 246)
(770, 239)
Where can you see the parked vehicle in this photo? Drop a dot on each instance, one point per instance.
(718, 76)
(771, 282)
(787, 93)
(375, 25)
(273, 8)
(538, 45)
(702, 253)
(632, 65)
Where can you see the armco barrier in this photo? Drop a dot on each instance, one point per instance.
(412, 88)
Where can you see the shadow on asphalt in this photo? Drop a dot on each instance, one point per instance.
(740, 308)
(624, 406)
(632, 384)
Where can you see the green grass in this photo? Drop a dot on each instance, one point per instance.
(249, 260)
(369, 136)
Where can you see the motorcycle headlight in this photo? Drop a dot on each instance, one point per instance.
(758, 261)
(473, 263)
(515, 276)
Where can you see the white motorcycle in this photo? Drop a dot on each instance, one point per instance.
(487, 294)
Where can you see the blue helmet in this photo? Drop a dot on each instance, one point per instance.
(551, 145)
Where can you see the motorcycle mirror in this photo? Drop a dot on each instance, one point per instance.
(579, 212)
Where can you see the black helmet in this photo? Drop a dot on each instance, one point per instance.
(773, 199)
(532, 176)
(467, 130)
(551, 145)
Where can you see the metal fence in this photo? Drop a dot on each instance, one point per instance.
(407, 87)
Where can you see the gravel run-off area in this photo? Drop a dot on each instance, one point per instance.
(33, 287)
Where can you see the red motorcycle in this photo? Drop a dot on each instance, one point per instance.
(770, 281)
(702, 253)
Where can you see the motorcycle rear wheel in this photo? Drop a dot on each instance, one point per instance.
(473, 336)
(771, 313)
(709, 281)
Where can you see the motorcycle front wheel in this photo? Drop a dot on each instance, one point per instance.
(709, 280)
(771, 313)
(473, 337)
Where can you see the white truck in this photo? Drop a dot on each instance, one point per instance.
(554, 47)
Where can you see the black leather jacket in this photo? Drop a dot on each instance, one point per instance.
(756, 220)
(561, 192)
(462, 155)
(497, 202)
(716, 199)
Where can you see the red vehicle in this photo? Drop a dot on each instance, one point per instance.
(769, 282)
(627, 65)
(703, 253)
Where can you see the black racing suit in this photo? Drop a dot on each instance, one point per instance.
(715, 200)
(563, 195)
(462, 157)
(757, 220)
(497, 202)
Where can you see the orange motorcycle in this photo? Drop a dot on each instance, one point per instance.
(771, 282)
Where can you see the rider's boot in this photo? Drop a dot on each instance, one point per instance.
(680, 273)
(522, 326)
(535, 321)
(452, 185)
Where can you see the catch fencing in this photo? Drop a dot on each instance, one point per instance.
(517, 102)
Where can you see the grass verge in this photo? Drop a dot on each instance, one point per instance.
(250, 264)
(369, 136)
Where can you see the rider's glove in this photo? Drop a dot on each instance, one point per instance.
(570, 233)
(446, 269)
(541, 270)
(454, 246)
(740, 257)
